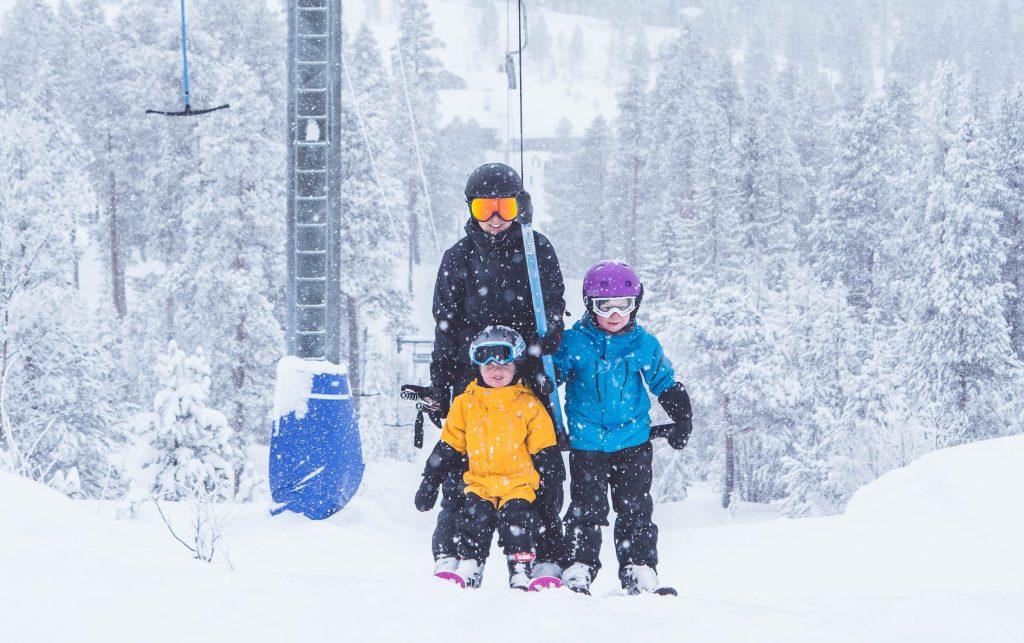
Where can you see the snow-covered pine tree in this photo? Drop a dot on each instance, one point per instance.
(186, 445)
(743, 378)
(774, 192)
(623, 199)
(30, 45)
(415, 75)
(1009, 128)
(373, 246)
(225, 285)
(580, 204)
(856, 213)
(58, 401)
(821, 469)
(965, 369)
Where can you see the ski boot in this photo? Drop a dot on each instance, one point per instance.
(468, 573)
(578, 577)
(546, 575)
(520, 566)
(445, 563)
(641, 579)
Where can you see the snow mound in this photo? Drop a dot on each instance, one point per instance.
(22, 497)
(977, 481)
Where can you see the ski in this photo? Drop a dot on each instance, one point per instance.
(451, 577)
(661, 591)
(540, 314)
(538, 584)
(542, 583)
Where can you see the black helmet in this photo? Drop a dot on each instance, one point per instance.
(493, 181)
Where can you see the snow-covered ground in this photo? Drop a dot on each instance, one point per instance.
(930, 553)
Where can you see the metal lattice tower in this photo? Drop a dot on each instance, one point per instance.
(314, 178)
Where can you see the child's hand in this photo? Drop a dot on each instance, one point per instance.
(544, 384)
(676, 402)
(426, 496)
(681, 435)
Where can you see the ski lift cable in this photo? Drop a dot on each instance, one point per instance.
(508, 95)
(510, 70)
(416, 143)
(522, 164)
(369, 150)
(188, 111)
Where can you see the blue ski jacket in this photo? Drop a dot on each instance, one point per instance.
(606, 404)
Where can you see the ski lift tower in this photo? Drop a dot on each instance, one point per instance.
(316, 461)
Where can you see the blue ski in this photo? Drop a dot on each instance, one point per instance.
(530, 248)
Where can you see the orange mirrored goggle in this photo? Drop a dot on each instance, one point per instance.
(483, 209)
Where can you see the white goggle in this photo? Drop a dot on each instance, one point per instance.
(608, 306)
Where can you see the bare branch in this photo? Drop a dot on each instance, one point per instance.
(171, 529)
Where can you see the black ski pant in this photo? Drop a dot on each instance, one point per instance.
(515, 520)
(548, 538)
(629, 474)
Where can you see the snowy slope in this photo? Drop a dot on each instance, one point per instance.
(928, 553)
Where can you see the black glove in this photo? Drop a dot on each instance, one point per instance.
(681, 437)
(550, 466)
(441, 398)
(426, 495)
(663, 430)
(549, 343)
(441, 461)
(543, 385)
(676, 402)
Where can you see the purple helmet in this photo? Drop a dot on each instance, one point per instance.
(612, 279)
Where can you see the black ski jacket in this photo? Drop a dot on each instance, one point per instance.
(482, 281)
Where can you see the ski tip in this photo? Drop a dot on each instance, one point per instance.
(542, 583)
(451, 577)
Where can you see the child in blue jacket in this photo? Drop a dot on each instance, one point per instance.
(607, 362)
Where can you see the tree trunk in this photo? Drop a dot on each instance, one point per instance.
(116, 262)
(729, 485)
(730, 471)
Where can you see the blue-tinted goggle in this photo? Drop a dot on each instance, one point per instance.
(496, 353)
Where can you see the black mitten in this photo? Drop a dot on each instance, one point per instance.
(441, 461)
(550, 466)
(549, 343)
(544, 386)
(676, 403)
(681, 437)
(441, 396)
(426, 495)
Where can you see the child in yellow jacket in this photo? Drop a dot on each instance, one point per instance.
(506, 434)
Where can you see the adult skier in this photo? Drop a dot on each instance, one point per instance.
(482, 281)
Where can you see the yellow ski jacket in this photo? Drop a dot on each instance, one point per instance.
(499, 429)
